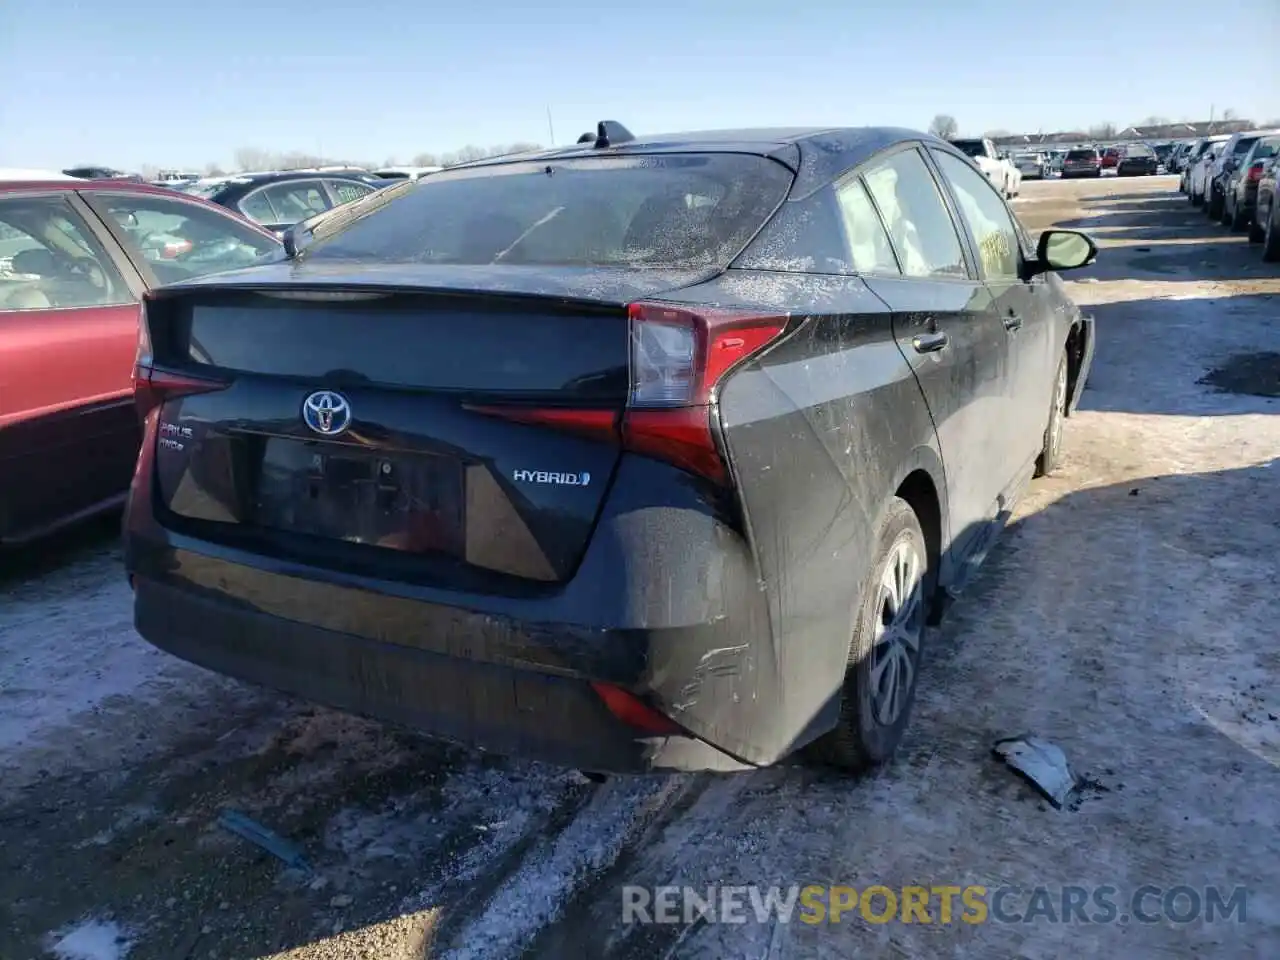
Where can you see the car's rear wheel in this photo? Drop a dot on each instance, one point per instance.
(1213, 205)
(1225, 216)
(1051, 449)
(884, 656)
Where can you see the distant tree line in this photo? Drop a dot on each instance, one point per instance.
(254, 158)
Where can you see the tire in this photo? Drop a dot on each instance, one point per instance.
(1256, 233)
(864, 738)
(1213, 205)
(1051, 445)
(1226, 215)
(1271, 238)
(1237, 221)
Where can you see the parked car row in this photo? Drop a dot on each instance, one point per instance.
(1233, 179)
(994, 164)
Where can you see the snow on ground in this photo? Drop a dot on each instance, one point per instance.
(91, 940)
(1128, 615)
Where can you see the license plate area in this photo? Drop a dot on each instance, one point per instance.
(392, 499)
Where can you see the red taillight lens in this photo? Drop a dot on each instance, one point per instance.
(1255, 172)
(679, 357)
(634, 712)
(152, 387)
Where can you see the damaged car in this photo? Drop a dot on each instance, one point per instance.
(644, 454)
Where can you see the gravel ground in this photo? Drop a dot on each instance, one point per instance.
(1129, 615)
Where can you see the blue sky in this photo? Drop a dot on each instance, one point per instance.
(135, 82)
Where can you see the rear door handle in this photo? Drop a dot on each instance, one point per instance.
(929, 342)
(1012, 323)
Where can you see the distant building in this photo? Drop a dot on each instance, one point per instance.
(1164, 131)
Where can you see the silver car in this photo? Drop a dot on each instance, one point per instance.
(1032, 166)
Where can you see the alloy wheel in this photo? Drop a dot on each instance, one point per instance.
(899, 623)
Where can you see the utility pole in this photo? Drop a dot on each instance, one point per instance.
(551, 129)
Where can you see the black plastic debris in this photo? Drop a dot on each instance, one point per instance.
(260, 836)
(1041, 764)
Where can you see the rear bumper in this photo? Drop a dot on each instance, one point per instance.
(666, 604)
(538, 716)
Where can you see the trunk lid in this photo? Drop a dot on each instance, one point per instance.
(351, 429)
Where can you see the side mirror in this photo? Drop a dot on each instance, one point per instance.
(289, 237)
(1064, 250)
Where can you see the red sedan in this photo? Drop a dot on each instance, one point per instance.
(75, 258)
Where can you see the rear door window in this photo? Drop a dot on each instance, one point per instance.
(294, 201)
(920, 226)
(684, 210)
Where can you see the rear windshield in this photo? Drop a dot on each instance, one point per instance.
(974, 148)
(1242, 146)
(1081, 154)
(687, 210)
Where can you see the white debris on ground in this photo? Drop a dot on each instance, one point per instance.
(91, 940)
(1128, 616)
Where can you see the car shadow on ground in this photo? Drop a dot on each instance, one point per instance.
(992, 643)
(31, 561)
(411, 843)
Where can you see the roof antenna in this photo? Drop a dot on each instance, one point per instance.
(609, 132)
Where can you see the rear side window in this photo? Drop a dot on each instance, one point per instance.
(920, 226)
(869, 247)
(694, 210)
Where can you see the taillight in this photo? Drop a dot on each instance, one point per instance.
(679, 358)
(634, 712)
(152, 387)
(1255, 172)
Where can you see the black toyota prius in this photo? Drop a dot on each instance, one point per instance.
(648, 453)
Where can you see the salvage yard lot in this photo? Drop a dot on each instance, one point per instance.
(1129, 615)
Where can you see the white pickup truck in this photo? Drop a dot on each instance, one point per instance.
(991, 161)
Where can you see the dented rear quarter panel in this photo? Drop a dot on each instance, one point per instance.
(819, 431)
